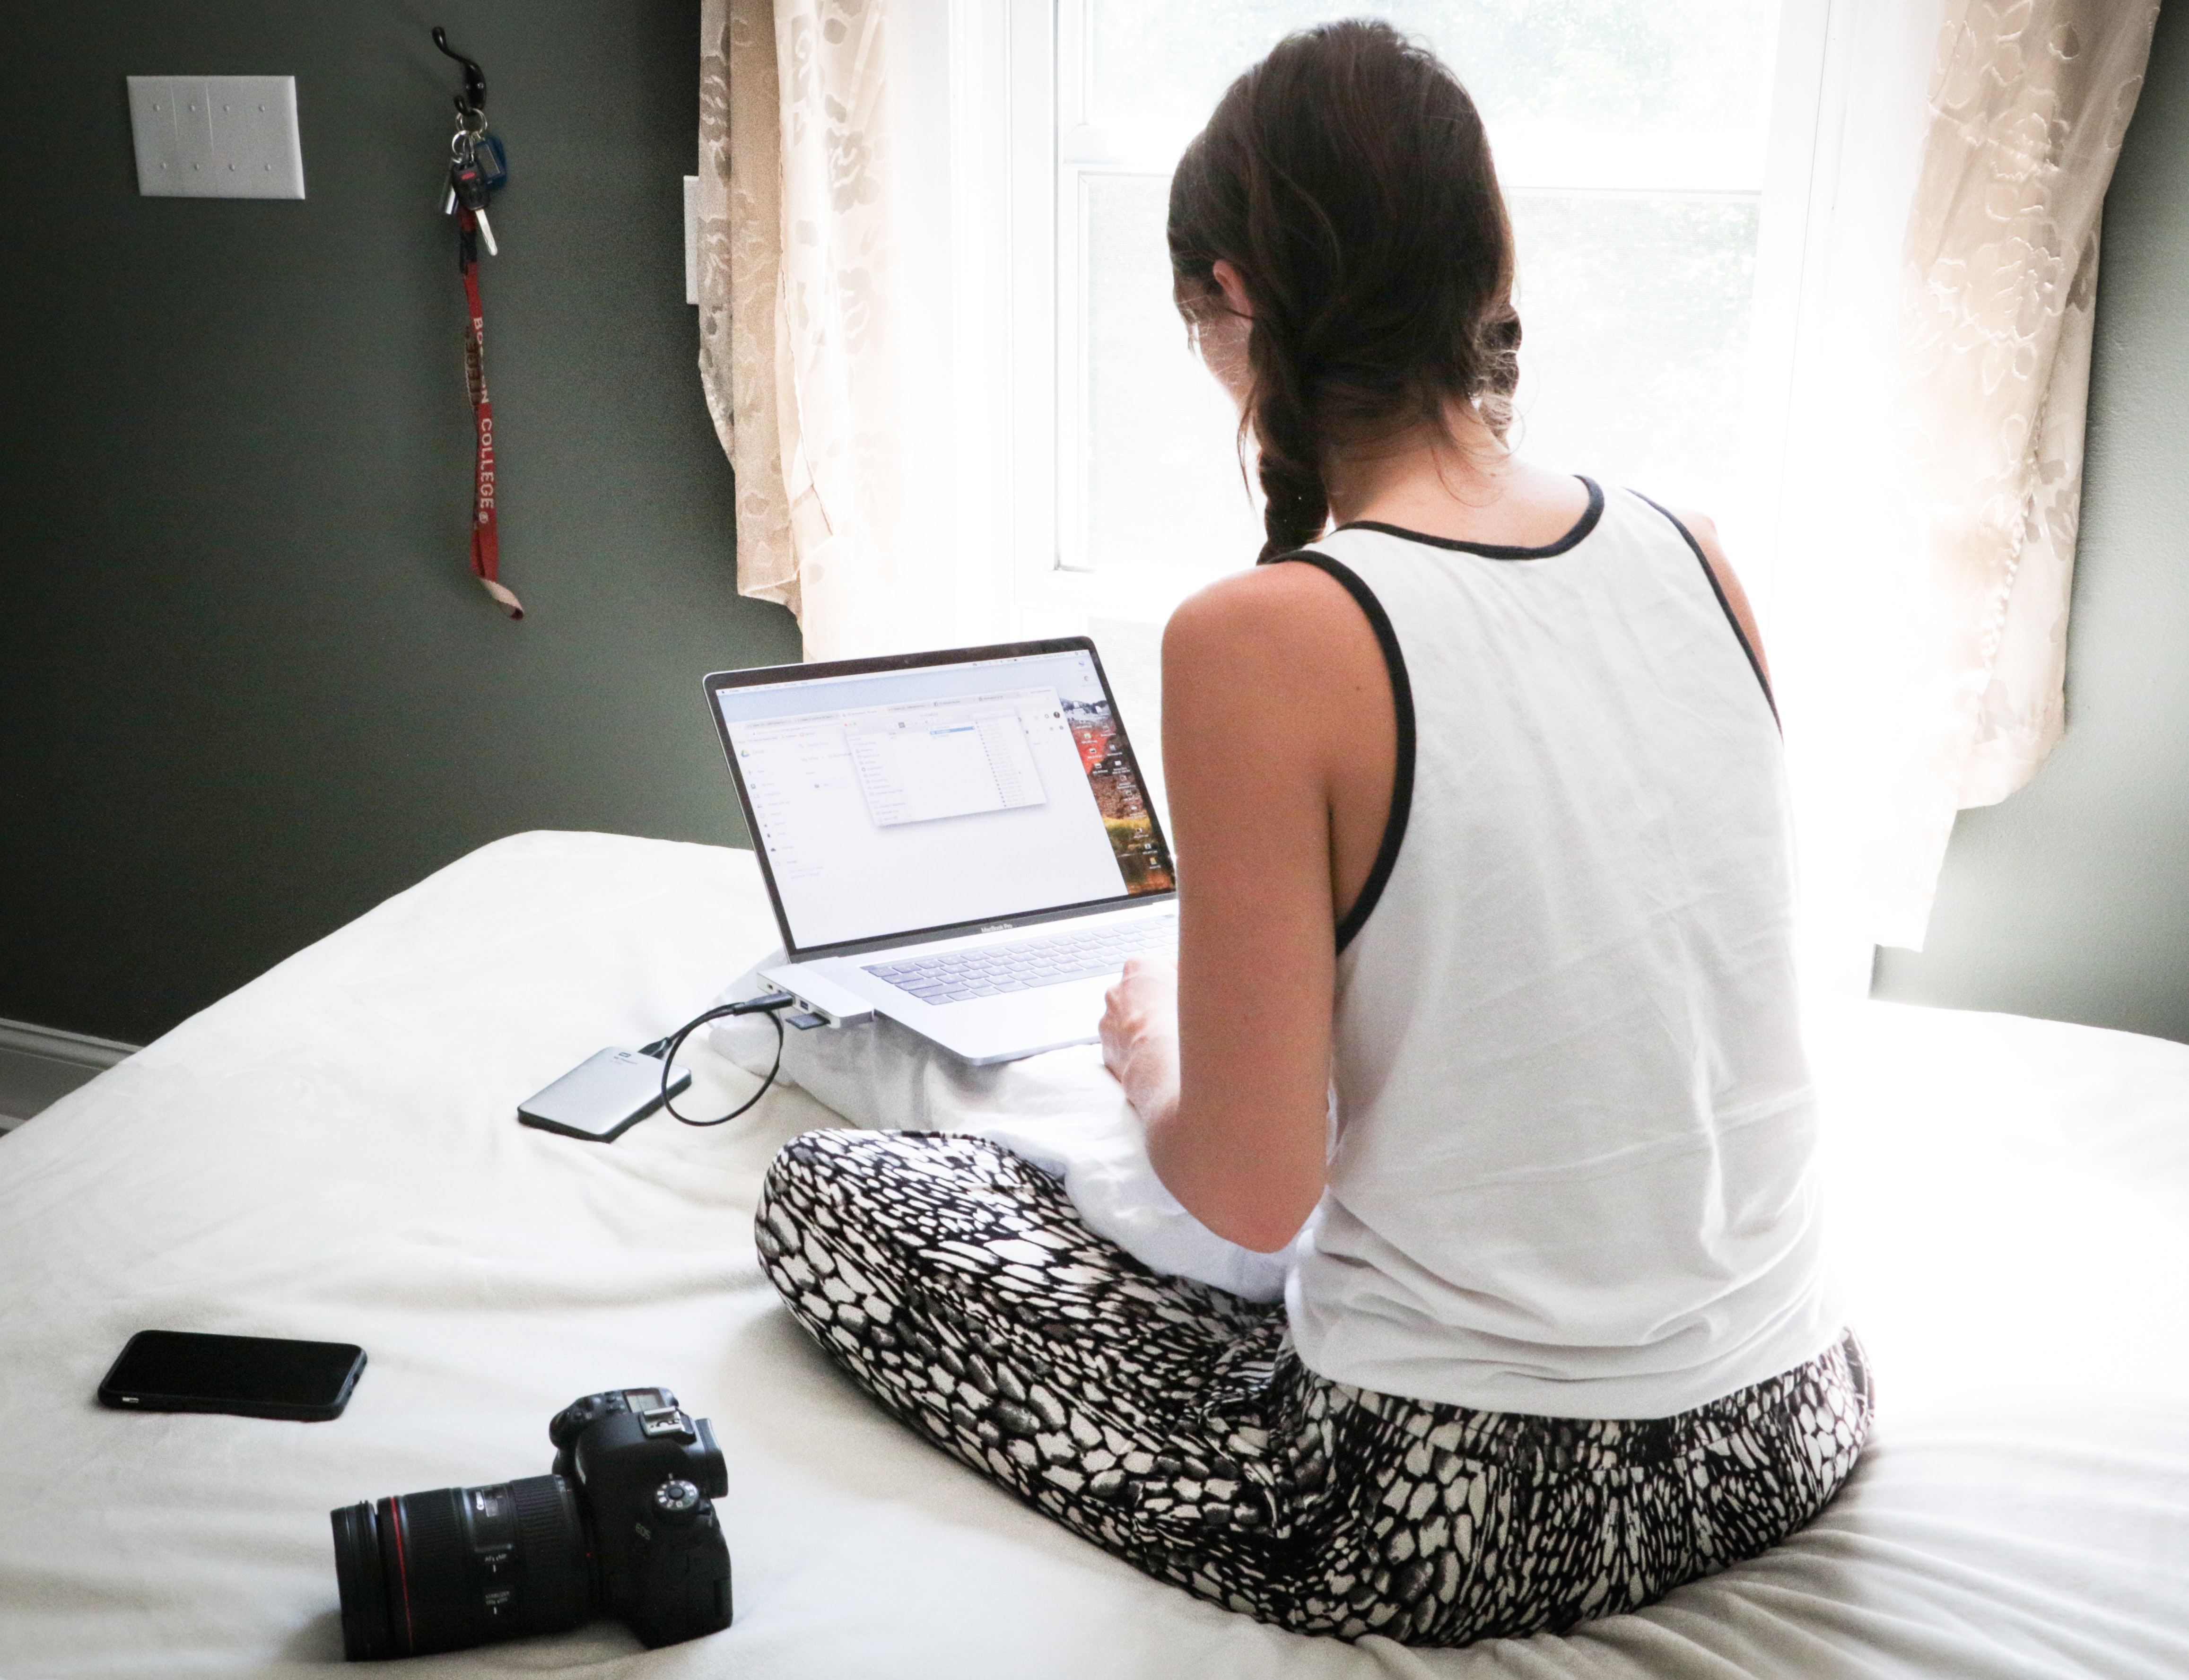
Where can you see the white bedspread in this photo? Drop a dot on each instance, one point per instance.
(332, 1153)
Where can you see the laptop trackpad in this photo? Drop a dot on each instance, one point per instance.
(1013, 1026)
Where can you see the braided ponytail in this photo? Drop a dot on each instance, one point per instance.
(1295, 505)
(1347, 177)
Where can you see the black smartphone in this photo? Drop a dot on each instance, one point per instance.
(251, 1376)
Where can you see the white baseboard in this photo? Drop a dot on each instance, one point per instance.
(40, 1065)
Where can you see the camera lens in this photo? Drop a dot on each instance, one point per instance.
(460, 1566)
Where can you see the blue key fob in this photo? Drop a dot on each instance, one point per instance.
(493, 162)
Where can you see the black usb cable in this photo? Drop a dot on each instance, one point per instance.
(769, 1003)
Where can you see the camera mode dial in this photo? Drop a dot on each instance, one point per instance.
(673, 1498)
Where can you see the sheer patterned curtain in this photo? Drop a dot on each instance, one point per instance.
(740, 216)
(797, 332)
(2028, 103)
(1918, 590)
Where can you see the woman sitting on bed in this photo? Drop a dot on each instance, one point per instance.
(1485, 990)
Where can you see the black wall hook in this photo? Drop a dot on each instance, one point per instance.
(474, 97)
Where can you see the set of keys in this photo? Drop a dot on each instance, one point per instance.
(477, 169)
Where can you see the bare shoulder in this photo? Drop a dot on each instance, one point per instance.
(1704, 529)
(1260, 598)
(1280, 617)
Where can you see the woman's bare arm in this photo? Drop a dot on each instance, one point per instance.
(1278, 743)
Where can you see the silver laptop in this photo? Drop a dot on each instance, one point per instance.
(959, 841)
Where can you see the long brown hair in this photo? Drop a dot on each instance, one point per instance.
(1347, 177)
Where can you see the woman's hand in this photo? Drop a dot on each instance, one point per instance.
(1140, 1036)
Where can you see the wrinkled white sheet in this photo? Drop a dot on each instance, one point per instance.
(331, 1153)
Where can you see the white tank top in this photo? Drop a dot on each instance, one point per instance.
(1571, 1170)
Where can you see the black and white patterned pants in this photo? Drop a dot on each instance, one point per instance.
(1170, 1424)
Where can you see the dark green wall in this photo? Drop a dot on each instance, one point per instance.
(2071, 899)
(249, 688)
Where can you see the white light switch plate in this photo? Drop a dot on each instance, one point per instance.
(217, 136)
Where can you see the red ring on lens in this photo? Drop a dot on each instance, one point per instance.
(402, 1573)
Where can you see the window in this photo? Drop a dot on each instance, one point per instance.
(1638, 142)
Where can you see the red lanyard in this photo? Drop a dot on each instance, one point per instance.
(486, 544)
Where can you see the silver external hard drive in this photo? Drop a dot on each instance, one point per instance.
(602, 1097)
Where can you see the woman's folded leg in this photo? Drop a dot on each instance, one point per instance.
(1170, 1424)
(957, 1284)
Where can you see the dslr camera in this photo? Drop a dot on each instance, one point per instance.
(625, 1525)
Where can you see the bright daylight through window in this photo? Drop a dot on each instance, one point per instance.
(1630, 136)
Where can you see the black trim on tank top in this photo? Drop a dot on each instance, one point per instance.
(1725, 606)
(1492, 551)
(1402, 708)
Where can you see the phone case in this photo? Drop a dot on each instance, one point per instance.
(135, 1398)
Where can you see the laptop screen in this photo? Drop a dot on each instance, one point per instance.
(928, 796)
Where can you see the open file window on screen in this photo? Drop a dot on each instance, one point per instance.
(952, 758)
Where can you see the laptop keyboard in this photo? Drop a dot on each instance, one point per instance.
(985, 971)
